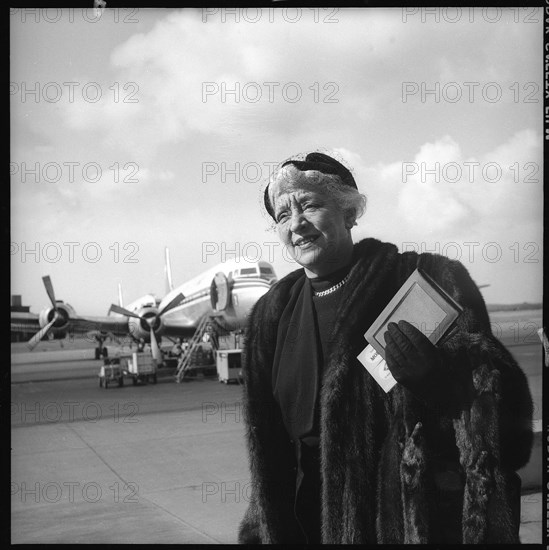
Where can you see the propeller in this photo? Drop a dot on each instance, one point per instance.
(49, 289)
(155, 349)
(124, 311)
(44, 330)
(151, 321)
(172, 303)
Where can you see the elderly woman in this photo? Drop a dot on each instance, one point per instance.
(335, 459)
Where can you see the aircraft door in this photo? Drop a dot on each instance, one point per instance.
(220, 292)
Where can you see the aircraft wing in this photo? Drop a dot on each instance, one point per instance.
(29, 324)
(179, 327)
(117, 325)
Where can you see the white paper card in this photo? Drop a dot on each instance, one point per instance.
(377, 367)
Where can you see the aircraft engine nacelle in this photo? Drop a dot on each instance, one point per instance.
(64, 314)
(140, 328)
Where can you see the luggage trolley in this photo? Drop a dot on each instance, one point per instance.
(111, 371)
(141, 367)
(229, 367)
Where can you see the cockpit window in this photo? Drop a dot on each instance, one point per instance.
(266, 270)
(248, 271)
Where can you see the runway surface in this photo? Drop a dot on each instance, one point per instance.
(162, 463)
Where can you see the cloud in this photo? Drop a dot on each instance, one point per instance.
(189, 79)
(441, 193)
(173, 130)
(222, 79)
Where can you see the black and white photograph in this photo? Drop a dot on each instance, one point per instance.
(276, 274)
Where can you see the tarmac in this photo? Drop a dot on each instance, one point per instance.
(162, 463)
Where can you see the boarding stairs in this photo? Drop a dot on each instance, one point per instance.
(208, 324)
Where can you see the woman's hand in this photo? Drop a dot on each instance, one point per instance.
(419, 365)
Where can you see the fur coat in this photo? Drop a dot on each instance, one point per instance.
(391, 467)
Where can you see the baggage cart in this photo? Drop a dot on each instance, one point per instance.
(140, 367)
(111, 372)
(228, 364)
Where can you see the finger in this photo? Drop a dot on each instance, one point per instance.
(409, 328)
(396, 360)
(417, 338)
(401, 340)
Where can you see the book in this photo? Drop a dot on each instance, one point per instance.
(421, 302)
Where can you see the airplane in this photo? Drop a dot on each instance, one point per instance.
(227, 291)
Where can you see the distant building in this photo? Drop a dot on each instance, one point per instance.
(16, 304)
(23, 323)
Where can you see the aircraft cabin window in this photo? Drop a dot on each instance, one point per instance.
(266, 270)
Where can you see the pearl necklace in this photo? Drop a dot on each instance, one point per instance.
(333, 288)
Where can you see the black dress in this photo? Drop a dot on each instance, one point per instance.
(309, 323)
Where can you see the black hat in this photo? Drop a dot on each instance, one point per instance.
(320, 162)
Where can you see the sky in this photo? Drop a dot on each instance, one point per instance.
(150, 128)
